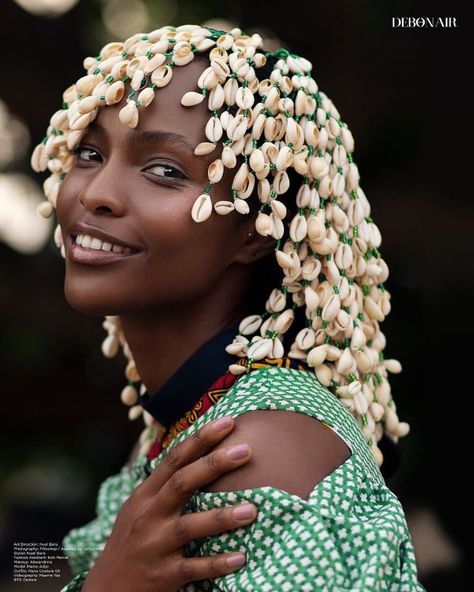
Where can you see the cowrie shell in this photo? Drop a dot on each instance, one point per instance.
(250, 324)
(129, 114)
(215, 171)
(191, 98)
(156, 61)
(264, 224)
(228, 157)
(213, 129)
(204, 148)
(260, 349)
(146, 96)
(324, 374)
(223, 207)
(162, 76)
(115, 92)
(202, 208)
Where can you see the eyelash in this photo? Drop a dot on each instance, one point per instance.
(181, 176)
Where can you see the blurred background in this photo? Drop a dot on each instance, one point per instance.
(403, 93)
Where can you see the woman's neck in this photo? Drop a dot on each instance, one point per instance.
(162, 340)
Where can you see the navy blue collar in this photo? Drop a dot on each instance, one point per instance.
(191, 381)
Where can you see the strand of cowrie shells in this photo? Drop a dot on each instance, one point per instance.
(330, 262)
(130, 393)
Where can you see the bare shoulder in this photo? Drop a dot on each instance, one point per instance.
(291, 451)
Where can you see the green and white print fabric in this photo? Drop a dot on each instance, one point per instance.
(350, 535)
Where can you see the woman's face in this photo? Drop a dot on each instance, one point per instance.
(139, 186)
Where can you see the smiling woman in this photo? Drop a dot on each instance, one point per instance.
(171, 161)
(139, 187)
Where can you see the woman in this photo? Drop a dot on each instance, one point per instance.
(215, 171)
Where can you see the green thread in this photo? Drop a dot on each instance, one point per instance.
(271, 334)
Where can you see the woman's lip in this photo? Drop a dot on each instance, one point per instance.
(96, 232)
(87, 256)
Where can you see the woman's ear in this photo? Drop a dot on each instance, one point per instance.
(252, 245)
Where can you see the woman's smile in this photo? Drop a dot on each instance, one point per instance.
(93, 253)
(91, 245)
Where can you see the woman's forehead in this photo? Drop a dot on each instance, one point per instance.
(165, 112)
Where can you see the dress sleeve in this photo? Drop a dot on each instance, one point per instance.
(294, 544)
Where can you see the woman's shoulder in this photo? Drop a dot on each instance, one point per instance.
(277, 388)
(289, 389)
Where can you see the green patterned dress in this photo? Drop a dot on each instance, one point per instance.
(350, 535)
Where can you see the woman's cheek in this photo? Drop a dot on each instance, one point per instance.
(67, 190)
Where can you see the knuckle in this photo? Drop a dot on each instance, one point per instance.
(181, 529)
(132, 507)
(172, 459)
(215, 566)
(154, 576)
(201, 437)
(185, 570)
(212, 461)
(138, 526)
(222, 517)
(138, 495)
(177, 482)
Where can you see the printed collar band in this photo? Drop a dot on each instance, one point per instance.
(191, 380)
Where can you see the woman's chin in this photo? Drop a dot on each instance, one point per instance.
(92, 303)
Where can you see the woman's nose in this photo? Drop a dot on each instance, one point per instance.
(103, 193)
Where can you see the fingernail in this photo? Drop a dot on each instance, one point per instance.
(222, 423)
(238, 452)
(242, 512)
(236, 560)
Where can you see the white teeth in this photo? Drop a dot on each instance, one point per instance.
(96, 244)
(90, 242)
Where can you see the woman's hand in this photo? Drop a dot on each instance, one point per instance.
(145, 550)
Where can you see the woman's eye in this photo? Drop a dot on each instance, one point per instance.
(167, 171)
(87, 154)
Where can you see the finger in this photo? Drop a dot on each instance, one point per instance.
(187, 451)
(185, 481)
(198, 525)
(204, 568)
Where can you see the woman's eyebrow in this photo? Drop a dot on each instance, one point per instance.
(159, 137)
(150, 137)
